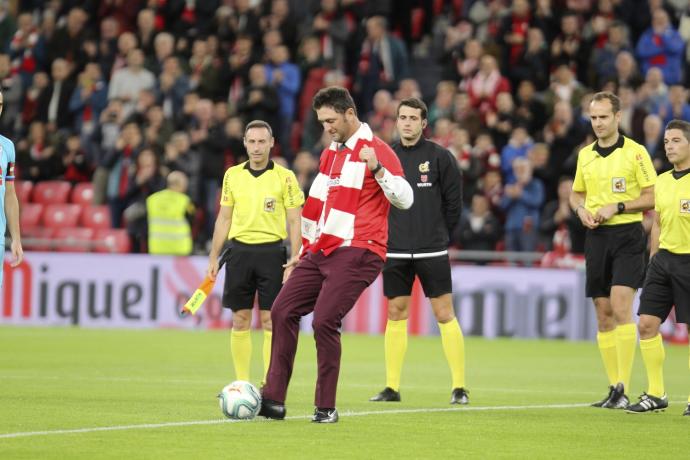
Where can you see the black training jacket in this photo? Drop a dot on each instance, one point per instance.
(423, 230)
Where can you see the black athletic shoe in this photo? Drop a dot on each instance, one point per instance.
(272, 409)
(648, 403)
(603, 401)
(388, 394)
(459, 396)
(325, 416)
(618, 399)
(687, 410)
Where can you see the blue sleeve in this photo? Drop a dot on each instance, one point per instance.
(533, 194)
(646, 46)
(673, 42)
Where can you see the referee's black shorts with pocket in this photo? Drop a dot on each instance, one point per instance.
(667, 284)
(615, 256)
(251, 268)
(433, 273)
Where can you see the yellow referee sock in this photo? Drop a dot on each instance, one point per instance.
(395, 347)
(626, 338)
(607, 348)
(454, 349)
(241, 348)
(268, 336)
(653, 356)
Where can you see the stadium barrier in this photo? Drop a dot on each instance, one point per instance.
(142, 291)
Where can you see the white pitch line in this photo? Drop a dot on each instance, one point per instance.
(145, 426)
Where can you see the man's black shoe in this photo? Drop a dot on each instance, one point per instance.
(618, 399)
(325, 416)
(603, 401)
(687, 410)
(272, 409)
(388, 394)
(459, 396)
(648, 403)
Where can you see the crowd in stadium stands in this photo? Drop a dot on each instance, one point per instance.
(120, 93)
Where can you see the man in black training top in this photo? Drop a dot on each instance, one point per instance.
(418, 245)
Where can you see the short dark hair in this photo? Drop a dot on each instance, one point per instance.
(681, 125)
(335, 97)
(606, 95)
(415, 103)
(258, 124)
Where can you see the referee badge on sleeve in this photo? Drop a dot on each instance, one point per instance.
(618, 185)
(269, 204)
(684, 206)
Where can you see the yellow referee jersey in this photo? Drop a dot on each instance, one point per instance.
(260, 203)
(672, 203)
(612, 175)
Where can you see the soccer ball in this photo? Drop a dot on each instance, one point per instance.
(240, 400)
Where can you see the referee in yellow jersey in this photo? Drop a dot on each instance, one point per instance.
(668, 275)
(614, 183)
(257, 198)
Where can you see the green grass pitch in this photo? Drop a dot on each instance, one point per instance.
(83, 394)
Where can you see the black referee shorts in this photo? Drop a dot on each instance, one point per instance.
(251, 268)
(615, 255)
(433, 273)
(667, 284)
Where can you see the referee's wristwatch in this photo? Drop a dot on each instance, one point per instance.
(621, 207)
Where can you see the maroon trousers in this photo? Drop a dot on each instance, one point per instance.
(329, 286)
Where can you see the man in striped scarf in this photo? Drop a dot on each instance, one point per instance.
(344, 237)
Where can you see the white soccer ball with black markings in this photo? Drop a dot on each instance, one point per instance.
(240, 400)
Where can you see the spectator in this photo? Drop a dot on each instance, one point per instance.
(163, 48)
(36, 156)
(144, 181)
(306, 166)
(603, 59)
(677, 106)
(67, 41)
(523, 197)
(479, 229)
(172, 85)
(557, 216)
(260, 100)
(285, 78)
(382, 62)
(486, 84)
(88, 100)
(119, 162)
(12, 93)
(632, 115)
(74, 160)
(128, 82)
(662, 46)
(333, 27)
(533, 64)
(653, 141)
(518, 146)
(53, 103)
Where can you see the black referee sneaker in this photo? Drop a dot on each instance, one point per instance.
(418, 245)
(668, 275)
(614, 183)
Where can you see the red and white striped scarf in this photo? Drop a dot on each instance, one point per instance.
(328, 217)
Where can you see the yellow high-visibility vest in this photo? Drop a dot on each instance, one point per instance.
(169, 231)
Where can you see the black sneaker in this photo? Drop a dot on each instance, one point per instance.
(388, 394)
(272, 409)
(459, 396)
(648, 403)
(687, 410)
(618, 399)
(325, 416)
(603, 401)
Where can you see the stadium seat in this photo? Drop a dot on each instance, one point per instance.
(95, 217)
(53, 191)
(37, 238)
(23, 189)
(61, 215)
(113, 240)
(82, 193)
(73, 239)
(30, 214)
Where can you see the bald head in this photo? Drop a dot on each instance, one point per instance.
(177, 181)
